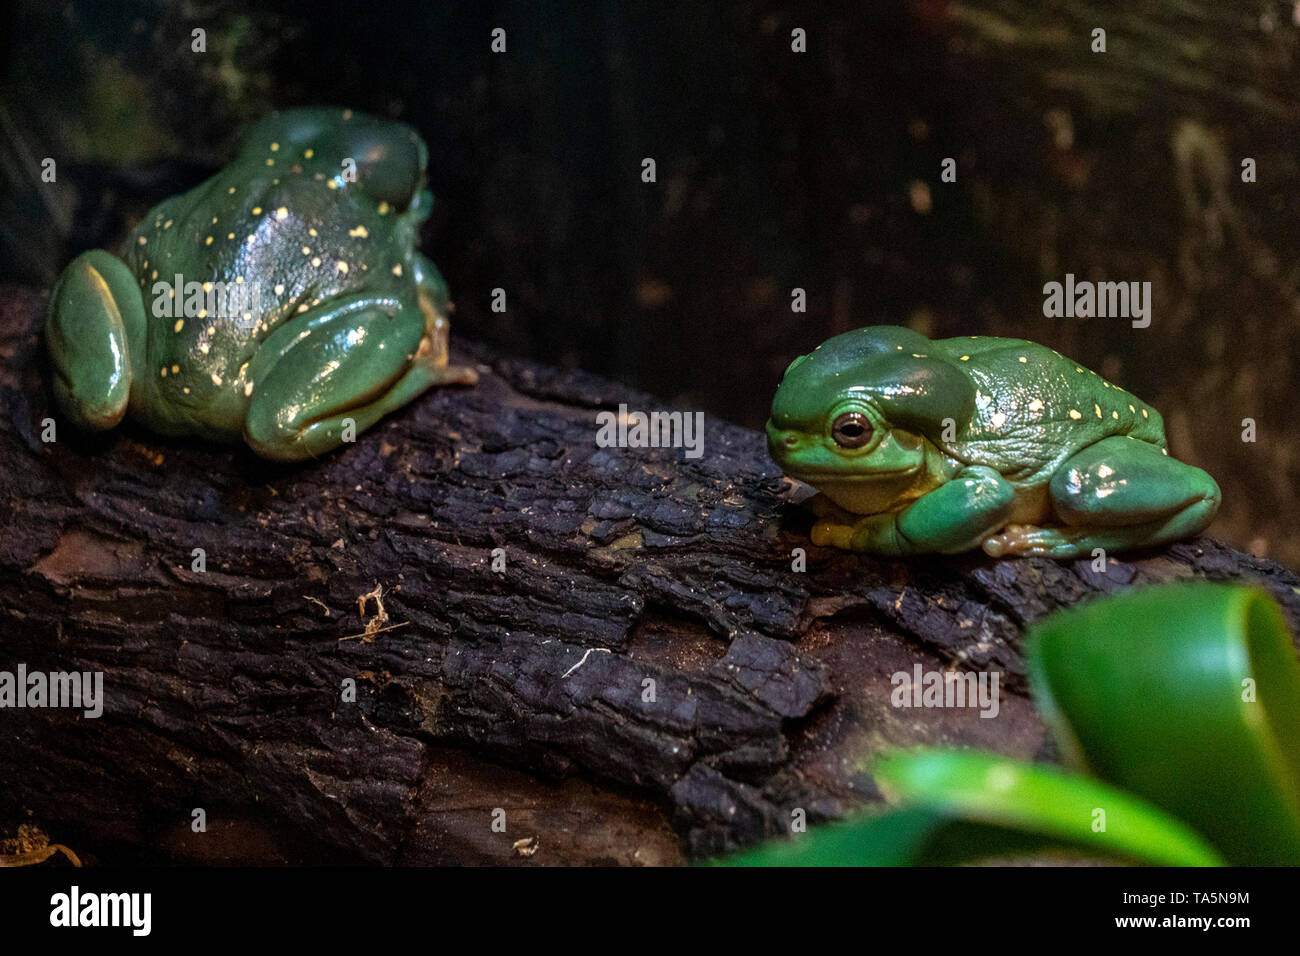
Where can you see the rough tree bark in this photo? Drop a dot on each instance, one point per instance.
(521, 690)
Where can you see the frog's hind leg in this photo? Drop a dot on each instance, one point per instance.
(1119, 493)
(333, 383)
(95, 331)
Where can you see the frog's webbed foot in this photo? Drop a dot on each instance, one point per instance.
(835, 527)
(833, 534)
(1028, 539)
(433, 351)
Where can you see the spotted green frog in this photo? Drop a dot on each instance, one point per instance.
(282, 301)
(942, 446)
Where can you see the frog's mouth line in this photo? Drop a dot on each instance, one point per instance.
(851, 478)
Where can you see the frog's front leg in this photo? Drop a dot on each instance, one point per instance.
(956, 516)
(1119, 493)
(95, 332)
(357, 360)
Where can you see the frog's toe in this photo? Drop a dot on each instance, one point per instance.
(1028, 541)
(453, 375)
(830, 534)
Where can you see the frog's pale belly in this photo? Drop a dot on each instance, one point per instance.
(868, 496)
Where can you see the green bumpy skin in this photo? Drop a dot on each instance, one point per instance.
(922, 446)
(347, 320)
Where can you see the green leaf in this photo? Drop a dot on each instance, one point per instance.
(906, 837)
(1060, 807)
(1151, 691)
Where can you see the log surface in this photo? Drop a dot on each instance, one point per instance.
(523, 690)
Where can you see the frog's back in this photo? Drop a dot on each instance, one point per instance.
(264, 243)
(1034, 408)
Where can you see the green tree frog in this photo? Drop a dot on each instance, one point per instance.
(920, 446)
(282, 301)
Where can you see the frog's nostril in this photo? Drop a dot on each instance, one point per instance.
(791, 441)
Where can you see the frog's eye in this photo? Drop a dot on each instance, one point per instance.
(851, 430)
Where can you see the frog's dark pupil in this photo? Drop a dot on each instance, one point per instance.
(851, 430)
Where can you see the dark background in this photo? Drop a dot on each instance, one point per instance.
(776, 170)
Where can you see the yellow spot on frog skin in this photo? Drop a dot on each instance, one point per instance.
(154, 274)
(281, 213)
(332, 184)
(230, 235)
(207, 287)
(279, 289)
(275, 147)
(211, 329)
(1036, 405)
(397, 269)
(315, 260)
(167, 224)
(383, 208)
(309, 154)
(306, 250)
(303, 307)
(257, 210)
(1132, 409)
(358, 233)
(239, 280)
(341, 266)
(216, 379)
(180, 324)
(1097, 408)
(204, 348)
(999, 420)
(311, 232)
(203, 313)
(270, 162)
(965, 358)
(347, 114)
(214, 220)
(142, 240)
(1077, 369)
(207, 241)
(175, 369)
(248, 389)
(251, 239)
(1075, 414)
(186, 389)
(1144, 413)
(230, 191)
(1164, 451)
(163, 373)
(1114, 414)
(1023, 359)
